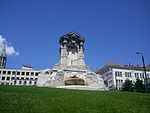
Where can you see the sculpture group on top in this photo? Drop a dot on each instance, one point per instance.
(71, 71)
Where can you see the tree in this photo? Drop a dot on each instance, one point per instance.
(128, 85)
(139, 86)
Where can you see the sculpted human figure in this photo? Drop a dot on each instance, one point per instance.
(59, 75)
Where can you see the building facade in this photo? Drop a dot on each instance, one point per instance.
(24, 76)
(115, 75)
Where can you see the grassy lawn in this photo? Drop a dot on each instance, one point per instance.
(23, 99)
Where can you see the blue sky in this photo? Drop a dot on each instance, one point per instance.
(114, 30)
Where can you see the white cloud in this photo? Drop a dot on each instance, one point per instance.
(9, 48)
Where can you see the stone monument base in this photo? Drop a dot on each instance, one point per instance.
(71, 72)
(79, 87)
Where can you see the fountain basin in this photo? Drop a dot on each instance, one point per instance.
(74, 81)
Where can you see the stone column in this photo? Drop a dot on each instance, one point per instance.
(81, 55)
(63, 54)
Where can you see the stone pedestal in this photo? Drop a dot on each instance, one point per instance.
(71, 65)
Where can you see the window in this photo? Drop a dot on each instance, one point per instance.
(32, 73)
(13, 73)
(23, 73)
(127, 74)
(136, 75)
(3, 78)
(36, 78)
(27, 78)
(13, 78)
(8, 78)
(9, 72)
(20, 82)
(18, 73)
(15, 82)
(31, 78)
(4, 72)
(141, 75)
(25, 82)
(35, 83)
(36, 74)
(22, 78)
(17, 78)
(118, 74)
(119, 82)
(30, 82)
(27, 73)
(0, 72)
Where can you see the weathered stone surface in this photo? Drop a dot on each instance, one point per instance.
(71, 65)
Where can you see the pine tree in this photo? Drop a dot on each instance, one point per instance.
(128, 85)
(139, 86)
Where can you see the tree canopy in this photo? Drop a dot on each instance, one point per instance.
(137, 86)
(127, 86)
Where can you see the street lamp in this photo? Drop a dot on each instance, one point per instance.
(146, 87)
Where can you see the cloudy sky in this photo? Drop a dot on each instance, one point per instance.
(114, 30)
(10, 49)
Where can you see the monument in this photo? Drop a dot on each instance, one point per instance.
(71, 71)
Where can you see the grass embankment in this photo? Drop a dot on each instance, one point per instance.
(23, 99)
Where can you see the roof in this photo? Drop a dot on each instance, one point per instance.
(72, 35)
(116, 66)
(112, 63)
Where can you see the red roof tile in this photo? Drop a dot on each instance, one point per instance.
(112, 63)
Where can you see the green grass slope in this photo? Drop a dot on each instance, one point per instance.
(23, 99)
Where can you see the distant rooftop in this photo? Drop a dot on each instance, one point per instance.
(112, 63)
(27, 67)
(130, 67)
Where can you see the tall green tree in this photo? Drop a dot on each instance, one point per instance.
(128, 85)
(139, 86)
